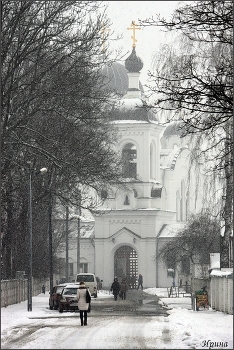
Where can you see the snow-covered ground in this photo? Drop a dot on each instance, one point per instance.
(182, 329)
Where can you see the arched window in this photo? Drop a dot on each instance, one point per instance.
(183, 201)
(126, 201)
(178, 206)
(153, 161)
(129, 158)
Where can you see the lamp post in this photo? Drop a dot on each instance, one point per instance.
(42, 171)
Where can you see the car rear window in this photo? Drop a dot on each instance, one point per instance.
(85, 278)
(70, 291)
(59, 289)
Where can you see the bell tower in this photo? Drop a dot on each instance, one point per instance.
(127, 225)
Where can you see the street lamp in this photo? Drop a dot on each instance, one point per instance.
(42, 172)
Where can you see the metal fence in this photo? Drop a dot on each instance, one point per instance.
(15, 291)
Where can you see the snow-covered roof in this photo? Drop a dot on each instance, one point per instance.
(218, 273)
(129, 122)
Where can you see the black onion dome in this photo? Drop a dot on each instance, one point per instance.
(133, 63)
(116, 78)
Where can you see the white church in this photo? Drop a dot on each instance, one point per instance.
(160, 192)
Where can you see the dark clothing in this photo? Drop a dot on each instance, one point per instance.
(140, 282)
(83, 317)
(123, 289)
(115, 287)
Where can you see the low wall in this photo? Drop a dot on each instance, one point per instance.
(15, 291)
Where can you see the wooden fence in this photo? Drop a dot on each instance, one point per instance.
(15, 291)
(221, 293)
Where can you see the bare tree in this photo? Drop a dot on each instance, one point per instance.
(193, 79)
(55, 114)
(193, 243)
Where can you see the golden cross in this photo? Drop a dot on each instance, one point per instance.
(103, 30)
(134, 27)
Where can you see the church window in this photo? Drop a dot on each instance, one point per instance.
(129, 158)
(153, 161)
(183, 201)
(178, 207)
(156, 192)
(83, 267)
(104, 194)
(126, 201)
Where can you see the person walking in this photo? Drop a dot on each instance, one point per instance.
(82, 304)
(140, 281)
(123, 288)
(115, 287)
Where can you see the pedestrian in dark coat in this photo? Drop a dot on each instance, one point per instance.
(115, 287)
(140, 281)
(82, 305)
(123, 288)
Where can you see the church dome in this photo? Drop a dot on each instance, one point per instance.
(117, 78)
(133, 63)
(173, 129)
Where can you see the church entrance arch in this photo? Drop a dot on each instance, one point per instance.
(126, 265)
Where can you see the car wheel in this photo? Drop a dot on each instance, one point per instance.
(60, 309)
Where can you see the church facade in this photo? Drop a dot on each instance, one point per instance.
(159, 193)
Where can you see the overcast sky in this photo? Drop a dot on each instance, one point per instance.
(122, 13)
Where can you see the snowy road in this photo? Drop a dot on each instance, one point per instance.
(125, 324)
(125, 332)
(141, 322)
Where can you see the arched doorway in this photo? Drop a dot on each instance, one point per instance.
(126, 265)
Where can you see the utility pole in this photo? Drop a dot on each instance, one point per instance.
(30, 233)
(78, 245)
(50, 242)
(30, 245)
(78, 233)
(67, 248)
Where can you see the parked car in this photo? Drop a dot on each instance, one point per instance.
(68, 298)
(55, 295)
(90, 281)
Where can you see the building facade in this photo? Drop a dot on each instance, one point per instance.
(159, 192)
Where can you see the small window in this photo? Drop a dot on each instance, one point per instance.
(104, 194)
(129, 158)
(83, 267)
(126, 201)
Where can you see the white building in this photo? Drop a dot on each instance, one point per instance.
(160, 192)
